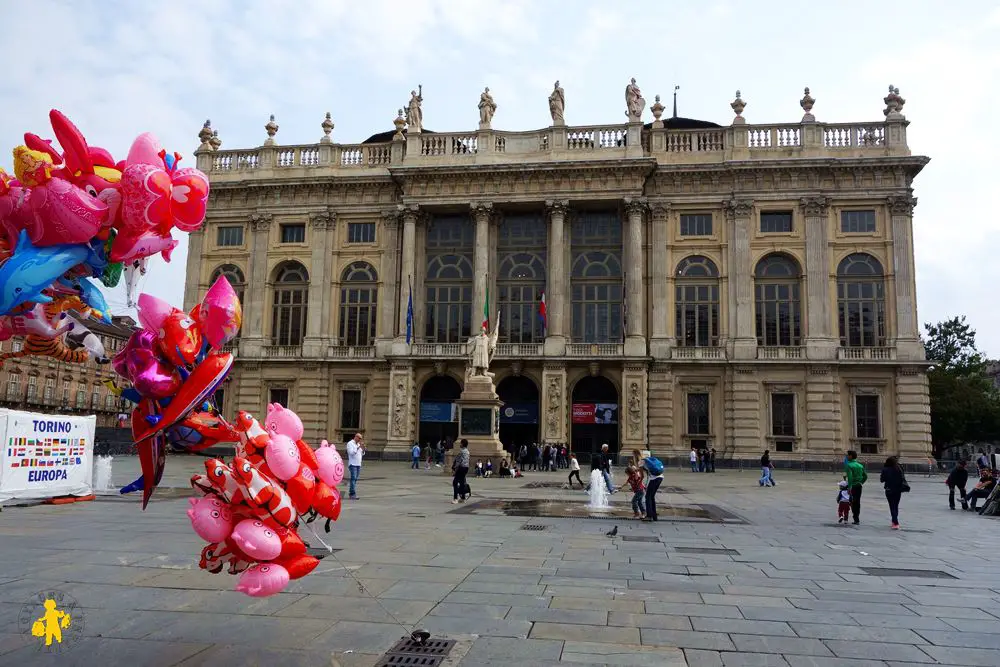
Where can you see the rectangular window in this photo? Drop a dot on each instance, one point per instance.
(32, 387)
(219, 398)
(293, 233)
(361, 232)
(279, 396)
(50, 388)
(229, 235)
(868, 421)
(857, 222)
(699, 224)
(783, 415)
(698, 415)
(350, 409)
(776, 222)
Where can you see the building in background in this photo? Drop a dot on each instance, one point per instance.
(47, 385)
(672, 284)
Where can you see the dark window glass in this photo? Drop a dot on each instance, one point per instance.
(777, 303)
(448, 283)
(293, 233)
(783, 414)
(699, 224)
(279, 396)
(861, 301)
(698, 414)
(696, 302)
(869, 421)
(350, 409)
(597, 292)
(358, 304)
(291, 296)
(772, 222)
(229, 236)
(219, 398)
(361, 232)
(857, 222)
(522, 247)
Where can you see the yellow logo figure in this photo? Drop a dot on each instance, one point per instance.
(51, 624)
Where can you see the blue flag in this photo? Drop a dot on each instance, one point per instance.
(409, 317)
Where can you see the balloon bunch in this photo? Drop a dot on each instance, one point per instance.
(250, 510)
(175, 363)
(68, 217)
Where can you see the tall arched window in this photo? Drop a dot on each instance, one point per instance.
(235, 277)
(696, 294)
(358, 304)
(861, 301)
(449, 280)
(597, 290)
(521, 279)
(291, 297)
(777, 281)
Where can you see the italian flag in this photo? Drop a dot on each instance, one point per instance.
(486, 310)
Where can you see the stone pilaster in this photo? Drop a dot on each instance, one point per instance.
(659, 297)
(391, 297)
(660, 410)
(746, 400)
(635, 401)
(820, 343)
(251, 343)
(322, 224)
(402, 408)
(556, 407)
(908, 345)
(557, 288)
(740, 279)
(313, 400)
(823, 417)
(913, 415)
(482, 213)
(635, 296)
(193, 271)
(408, 257)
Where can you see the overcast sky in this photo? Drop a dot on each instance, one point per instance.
(119, 68)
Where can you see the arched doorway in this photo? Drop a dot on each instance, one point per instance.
(519, 415)
(594, 416)
(438, 410)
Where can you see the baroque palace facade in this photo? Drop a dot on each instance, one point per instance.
(742, 287)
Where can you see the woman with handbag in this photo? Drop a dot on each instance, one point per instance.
(895, 486)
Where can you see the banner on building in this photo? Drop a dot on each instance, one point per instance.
(519, 413)
(45, 456)
(438, 411)
(595, 413)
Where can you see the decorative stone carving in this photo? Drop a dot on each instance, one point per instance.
(414, 114)
(487, 107)
(635, 206)
(390, 218)
(738, 105)
(205, 134)
(323, 220)
(814, 206)
(660, 211)
(271, 128)
(553, 408)
(807, 103)
(557, 207)
(399, 408)
(737, 208)
(595, 368)
(327, 126)
(657, 110)
(260, 221)
(634, 103)
(893, 102)
(902, 205)
(440, 367)
(516, 367)
(399, 123)
(557, 105)
(483, 208)
(635, 410)
(215, 141)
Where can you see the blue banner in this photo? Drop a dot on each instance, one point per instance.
(431, 411)
(519, 413)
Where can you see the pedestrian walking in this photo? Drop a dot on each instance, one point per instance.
(604, 465)
(765, 470)
(711, 459)
(957, 479)
(843, 502)
(654, 471)
(415, 455)
(694, 459)
(894, 481)
(459, 485)
(634, 480)
(355, 454)
(574, 470)
(856, 477)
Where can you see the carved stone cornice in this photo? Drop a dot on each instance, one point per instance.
(814, 206)
(557, 207)
(660, 211)
(411, 213)
(260, 221)
(323, 220)
(635, 206)
(737, 207)
(901, 204)
(392, 217)
(482, 209)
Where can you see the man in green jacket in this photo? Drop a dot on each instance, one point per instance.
(856, 477)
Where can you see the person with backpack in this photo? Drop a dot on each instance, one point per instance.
(654, 470)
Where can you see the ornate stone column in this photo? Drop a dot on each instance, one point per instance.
(740, 279)
(192, 288)
(557, 287)
(663, 436)
(634, 408)
(659, 298)
(388, 278)
(823, 417)
(913, 415)
(482, 213)
(251, 344)
(402, 406)
(907, 338)
(408, 255)
(635, 296)
(322, 224)
(555, 405)
(820, 343)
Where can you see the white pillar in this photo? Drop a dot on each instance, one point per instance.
(740, 278)
(659, 298)
(635, 296)
(409, 257)
(820, 343)
(482, 212)
(556, 289)
(387, 273)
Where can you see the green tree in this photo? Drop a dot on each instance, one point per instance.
(964, 405)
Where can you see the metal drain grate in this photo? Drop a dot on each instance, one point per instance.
(707, 551)
(899, 572)
(409, 653)
(639, 538)
(533, 526)
(545, 485)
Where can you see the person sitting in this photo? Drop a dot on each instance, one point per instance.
(982, 490)
(504, 468)
(479, 468)
(489, 468)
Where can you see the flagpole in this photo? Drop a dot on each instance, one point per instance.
(624, 304)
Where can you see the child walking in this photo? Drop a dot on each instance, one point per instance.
(843, 502)
(634, 480)
(574, 470)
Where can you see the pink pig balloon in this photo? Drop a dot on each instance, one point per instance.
(153, 311)
(283, 421)
(221, 313)
(211, 518)
(256, 540)
(331, 466)
(282, 456)
(263, 579)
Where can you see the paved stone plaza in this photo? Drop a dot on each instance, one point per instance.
(773, 580)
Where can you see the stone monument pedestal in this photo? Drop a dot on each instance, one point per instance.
(479, 419)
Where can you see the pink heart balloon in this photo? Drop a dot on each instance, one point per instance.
(220, 315)
(153, 311)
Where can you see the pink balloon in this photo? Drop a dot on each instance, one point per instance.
(283, 421)
(331, 466)
(263, 579)
(256, 540)
(211, 518)
(149, 374)
(145, 150)
(282, 456)
(221, 313)
(152, 311)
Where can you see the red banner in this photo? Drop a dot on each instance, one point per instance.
(583, 413)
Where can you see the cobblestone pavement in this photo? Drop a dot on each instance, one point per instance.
(777, 583)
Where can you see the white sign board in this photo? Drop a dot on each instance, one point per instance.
(45, 456)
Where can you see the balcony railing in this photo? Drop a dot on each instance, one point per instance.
(781, 353)
(283, 351)
(443, 350)
(350, 352)
(595, 350)
(866, 354)
(699, 353)
(519, 350)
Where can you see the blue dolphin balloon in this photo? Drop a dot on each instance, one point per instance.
(92, 296)
(30, 270)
